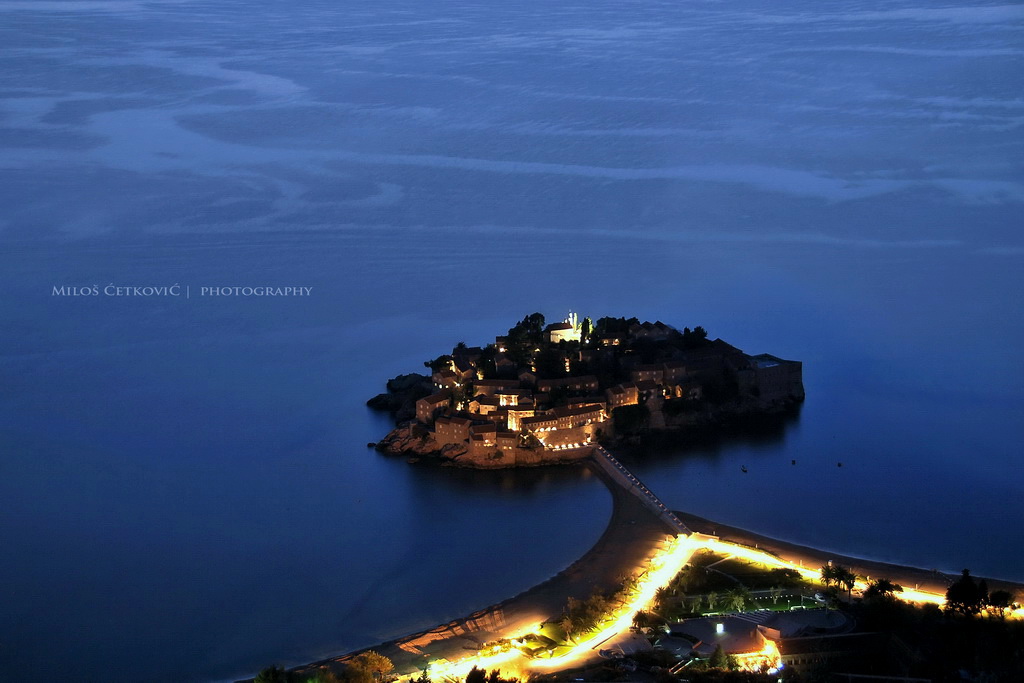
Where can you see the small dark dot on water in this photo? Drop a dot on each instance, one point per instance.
(839, 464)
(792, 462)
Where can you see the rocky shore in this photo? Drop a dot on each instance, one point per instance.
(537, 393)
(401, 396)
(416, 442)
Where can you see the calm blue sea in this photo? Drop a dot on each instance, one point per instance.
(185, 488)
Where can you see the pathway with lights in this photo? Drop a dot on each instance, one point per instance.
(623, 477)
(635, 540)
(637, 532)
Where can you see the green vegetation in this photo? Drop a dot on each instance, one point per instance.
(462, 394)
(272, 674)
(957, 643)
(882, 590)
(366, 667)
(966, 596)
(999, 602)
(838, 576)
(608, 327)
(695, 338)
(524, 337)
(476, 675)
(718, 660)
(648, 620)
(583, 616)
(678, 406)
(712, 583)
(685, 379)
(580, 617)
(630, 419)
(442, 362)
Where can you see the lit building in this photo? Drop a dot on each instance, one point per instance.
(429, 406)
(582, 383)
(491, 387)
(451, 429)
(622, 395)
(559, 332)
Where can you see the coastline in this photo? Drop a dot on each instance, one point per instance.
(927, 580)
(633, 534)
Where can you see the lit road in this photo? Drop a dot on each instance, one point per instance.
(658, 571)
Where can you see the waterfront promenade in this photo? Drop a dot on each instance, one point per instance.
(634, 533)
(924, 580)
(639, 526)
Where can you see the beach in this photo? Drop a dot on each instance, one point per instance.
(633, 535)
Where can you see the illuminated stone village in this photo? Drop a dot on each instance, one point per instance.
(663, 596)
(546, 393)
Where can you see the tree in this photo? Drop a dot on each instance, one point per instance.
(581, 616)
(530, 328)
(612, 326)
(630, 583)
(839, 576)
(524, 337)
(442, 362)
(495, 677)
(368, 666)
(630, 419)
(461, 395)
(528, 440)
(738, 598)
(828, 575)
(964, 595)
(325, 675)
(550, 363)
(642, 620)
(272, 674)
(882, 590)
(1000, 601)
(847, 579)
(569, 625)
(786, 577)
(718, 659)
(585, 329)
(694, 338)
(476, 675)
(712, 600)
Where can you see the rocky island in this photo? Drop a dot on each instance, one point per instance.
(542, 394)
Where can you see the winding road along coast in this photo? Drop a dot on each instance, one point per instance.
(636, 531)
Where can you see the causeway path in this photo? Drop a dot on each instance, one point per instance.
(640, 523)
(634, 533)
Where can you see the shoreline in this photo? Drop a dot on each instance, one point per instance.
(927, 580)
(633, 534)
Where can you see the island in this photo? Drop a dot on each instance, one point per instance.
(543, 394)
(663, 596)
